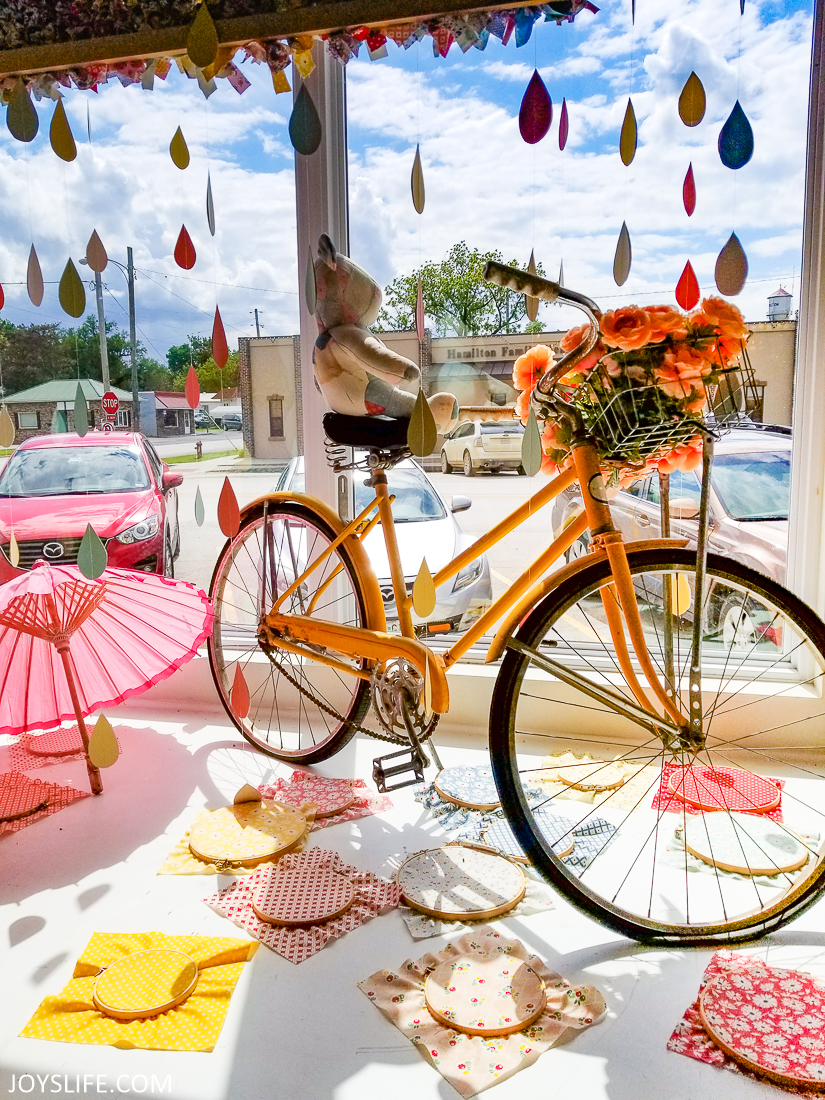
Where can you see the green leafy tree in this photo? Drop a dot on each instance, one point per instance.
(82, 348)
(195, 352)
(456, 297)
(31, 354)
(211, 378)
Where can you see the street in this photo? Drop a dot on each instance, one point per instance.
(213, 440)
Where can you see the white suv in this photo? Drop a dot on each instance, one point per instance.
(483, 445)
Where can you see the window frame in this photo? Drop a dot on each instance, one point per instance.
(28, 427)
(269, 402)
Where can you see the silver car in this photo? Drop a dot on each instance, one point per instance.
(426, 527)
(475, 445)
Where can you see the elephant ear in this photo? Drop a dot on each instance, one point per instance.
(326, 252)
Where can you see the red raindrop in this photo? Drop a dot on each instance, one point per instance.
(185, 250)
(239, 697)
(536, 112)
(192, 389)
(564, 125)
(689, 191)
(229, 515)
(220, 350)
(687, 289)
(2, 298)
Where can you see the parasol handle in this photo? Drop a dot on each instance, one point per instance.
(62, 647)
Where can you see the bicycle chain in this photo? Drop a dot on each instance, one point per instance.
(340, 717)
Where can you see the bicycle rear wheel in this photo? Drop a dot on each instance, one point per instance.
(300, 710)
(671, 846)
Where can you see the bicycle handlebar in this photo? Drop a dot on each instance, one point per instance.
(538, 287)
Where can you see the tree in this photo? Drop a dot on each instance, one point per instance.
(82, 347)
(197, 352)
(456, 297)
(31, 354)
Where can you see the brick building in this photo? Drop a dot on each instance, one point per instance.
(163, 413)
(49, 407)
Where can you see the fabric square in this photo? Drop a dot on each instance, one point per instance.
(29, 751)
(71, 1017)
(538, 898)
(302, 786)
(664, 799)
(181, 861)
(373, 896)
(470, 1063)
(19, 793)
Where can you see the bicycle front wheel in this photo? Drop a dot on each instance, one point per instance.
(709, 845)
(300, 709)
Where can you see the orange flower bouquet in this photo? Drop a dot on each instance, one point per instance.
(642, 390)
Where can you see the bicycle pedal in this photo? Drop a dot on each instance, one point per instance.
(409, 760)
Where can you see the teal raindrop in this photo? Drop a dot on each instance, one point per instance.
(736, 139)
(304, 124)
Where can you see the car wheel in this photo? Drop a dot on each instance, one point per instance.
(446, 468)
(579, 548)
(468, 465)
(168, 558)
(738, 623)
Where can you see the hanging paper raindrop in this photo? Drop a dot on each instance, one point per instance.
(192, 389)
(6, 428)
(531, 445)
(179, 150)
(417, 182)
(200, 514)
(531, 305)
(629, 134)
(96, 256)
(422, 434)
(229, 515)
(623, 258)
(423, 592)
(561, 272)
(14, 551)
(564, 125)
(731, 267)
(202, 40)
(536, 111)
(2, 298)
(60, 134)
(210, 207)
(81, 411)
(70, 293)
(239, 696)
(34, 279)
(21, 117)
(689, 191)
(420, 322)
(692, 102)
(184, 250)
(103, 747)
(220, 348)
(91, 554)
(304, 124)
(687, 289)
(310, 284)
(736, 139)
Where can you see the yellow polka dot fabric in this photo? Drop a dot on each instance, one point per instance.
(71, 1017)
(253, 830)
(145, 981)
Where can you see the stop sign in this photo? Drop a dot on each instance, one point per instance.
(110, 403)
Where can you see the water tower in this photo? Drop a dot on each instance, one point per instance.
(779, 305)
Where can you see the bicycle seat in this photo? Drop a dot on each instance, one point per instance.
(382, 432)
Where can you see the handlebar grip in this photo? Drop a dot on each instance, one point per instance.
(522, 281)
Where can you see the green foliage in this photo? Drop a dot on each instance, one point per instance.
(195, 352)
(210, 376)
(456, 297)
(31, 354)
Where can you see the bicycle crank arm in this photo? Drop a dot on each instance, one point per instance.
(670, 734)
(355, 641)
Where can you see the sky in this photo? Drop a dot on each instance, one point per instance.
(483, 184)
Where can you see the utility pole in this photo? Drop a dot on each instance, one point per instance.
(257, 324)
(130, 278)
(101, 323)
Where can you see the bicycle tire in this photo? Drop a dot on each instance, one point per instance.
(726, 907)
(300, 712)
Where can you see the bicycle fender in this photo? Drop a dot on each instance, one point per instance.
(542, 587)
(376, 618)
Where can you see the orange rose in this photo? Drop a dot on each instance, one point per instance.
(523, 406)
(721, 315)
(574, 337)
(724, 351)
(666, 322)
(682, 371)
(528, 368)
(627, 329)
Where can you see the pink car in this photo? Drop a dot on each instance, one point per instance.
(54, 485)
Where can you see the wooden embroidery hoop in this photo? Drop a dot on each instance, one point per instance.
(464, 914)
(788, 1081)
(452, 1009)
(333, 896)
(285, 827)
(460, 802)
(712, 821)
(593, 775)
(676, 787)
(109, 984)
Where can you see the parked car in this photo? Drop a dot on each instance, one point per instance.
(53, 486)
(426, 527)
(227, 417)
(203, 419)
(231, 422)
(475, 445)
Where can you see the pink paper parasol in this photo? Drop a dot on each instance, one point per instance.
(70, 646)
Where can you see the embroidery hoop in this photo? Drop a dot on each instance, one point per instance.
(518, 883)
(456, 801)
(712, 823)
(284, 826)
(453, 1014)
(601, 775)
(293, 906)
(778, 1078)
(327, 807)
(519, 856)
(117, 974)
(677, 782)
